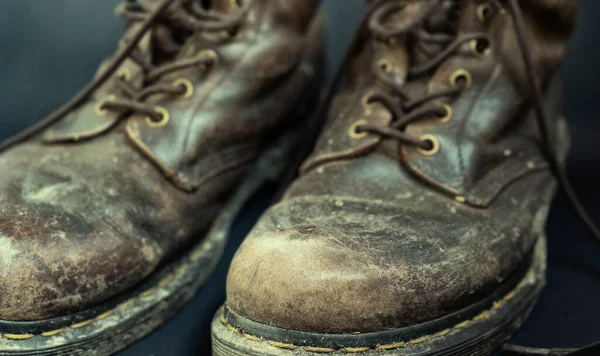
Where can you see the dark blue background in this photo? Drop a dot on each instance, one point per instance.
(51, 48)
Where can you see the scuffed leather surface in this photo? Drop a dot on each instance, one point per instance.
(83, 220)
(376, 240)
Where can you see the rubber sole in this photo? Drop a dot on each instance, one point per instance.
(475, 331)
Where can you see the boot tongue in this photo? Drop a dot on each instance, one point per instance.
(442, 22)
(445, 19)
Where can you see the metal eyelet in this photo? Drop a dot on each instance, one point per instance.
(211, 54)
(235, 4)
(435, 145)
(448, 117)
(165, 118)
(480, 47)
(124, 74)
(365, 101)
(484, 12)
(353, 130)
(99, 109)
(385, 65)
(461, 74)
(187, 84)
(229, 36)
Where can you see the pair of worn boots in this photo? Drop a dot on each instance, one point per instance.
(416, 226)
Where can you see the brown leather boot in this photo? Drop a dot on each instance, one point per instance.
(115, 209)
(417, 224)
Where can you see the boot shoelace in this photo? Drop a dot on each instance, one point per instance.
(186, 14)
(404, 110)
(191, 16)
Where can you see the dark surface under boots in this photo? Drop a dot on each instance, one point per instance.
(60, 42)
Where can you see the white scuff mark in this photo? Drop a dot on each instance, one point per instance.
(403, 196)
(50, 193)
(7, 251)
(60, 235)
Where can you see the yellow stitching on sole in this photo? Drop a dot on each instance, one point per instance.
(419, 340)
(483, 316)
(52, 333)
(497, 305)
(82, 324)
(251, 337)
(148, 293)
(442, 333)
(104, 315)
(320, 350)
(233, 330)
(281, 345)
(128, 303)
(509, 296)
(395, 345)
(181, 269)
(462, 325)
(18, 336)
(353, 350)
(165, 281)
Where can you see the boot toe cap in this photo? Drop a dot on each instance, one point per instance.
(346, 272)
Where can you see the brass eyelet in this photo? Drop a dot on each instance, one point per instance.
(477, 50)
(211, 54)
(226, 35)
(435, 145)
(124, 74)
(165, 118)
(187, 84)
(353, 130)
(484, 12)
(99, 107)
(385, 64)
(461, 74)
(365, 100)
(448, 117)
(235, 4)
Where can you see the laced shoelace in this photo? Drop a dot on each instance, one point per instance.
(405, 110)
(191, 16)
(186, 14)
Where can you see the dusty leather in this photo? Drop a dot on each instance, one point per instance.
(93, 205)
(374, 235)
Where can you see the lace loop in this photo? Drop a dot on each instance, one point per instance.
(403, 108)
(182, 13)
